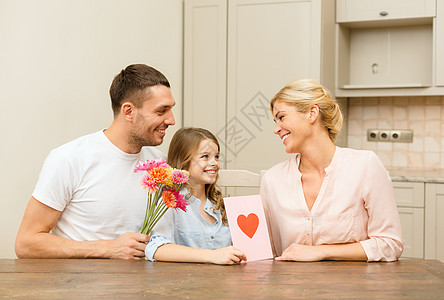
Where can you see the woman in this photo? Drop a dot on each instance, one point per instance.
(327, 202)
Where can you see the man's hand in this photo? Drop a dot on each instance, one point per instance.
(128, 246)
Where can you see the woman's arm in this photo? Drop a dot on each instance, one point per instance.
(297, 252)
(384, 226)
(178, 253)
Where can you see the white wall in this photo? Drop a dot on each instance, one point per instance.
(57, 61)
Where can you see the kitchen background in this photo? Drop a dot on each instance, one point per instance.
(423, 115)
(224, 60)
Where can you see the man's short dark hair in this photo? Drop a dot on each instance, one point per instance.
(131, 80)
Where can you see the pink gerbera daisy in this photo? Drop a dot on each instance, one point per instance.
(181, 202)
(150, 164)
(148, 183)
(180, 176)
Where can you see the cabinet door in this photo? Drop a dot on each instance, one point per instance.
(440, 43)
(270, 43)
(365, 10)
(205, 32)
(409, 197)
(412, 223)
(434, 221)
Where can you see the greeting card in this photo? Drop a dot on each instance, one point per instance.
(248, 226)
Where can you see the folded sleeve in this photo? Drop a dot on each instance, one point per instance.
(384, 226)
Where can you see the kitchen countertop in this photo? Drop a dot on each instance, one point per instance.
(417, 175)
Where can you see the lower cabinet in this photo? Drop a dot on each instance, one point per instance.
(421, 210)
(409, 197)
(434, 221)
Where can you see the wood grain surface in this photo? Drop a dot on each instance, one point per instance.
(117, 279)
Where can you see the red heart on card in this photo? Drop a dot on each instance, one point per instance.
(248, 224)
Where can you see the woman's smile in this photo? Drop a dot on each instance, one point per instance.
(285, 136)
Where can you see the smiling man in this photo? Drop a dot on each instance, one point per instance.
(88, 201)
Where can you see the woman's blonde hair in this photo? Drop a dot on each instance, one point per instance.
(184, 145)
(303, 94)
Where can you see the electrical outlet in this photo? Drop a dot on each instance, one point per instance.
(403, 136)
(390, 135)
(372, 135)
(384, 135)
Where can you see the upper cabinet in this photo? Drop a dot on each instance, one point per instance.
(389, 48)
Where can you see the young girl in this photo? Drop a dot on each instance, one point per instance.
(201, 233)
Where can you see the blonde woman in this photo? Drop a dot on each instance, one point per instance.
(200, 234)
(327, 202)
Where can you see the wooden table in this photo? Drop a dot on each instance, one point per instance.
(101, 278)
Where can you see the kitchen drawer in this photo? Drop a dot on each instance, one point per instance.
(409, 194)
(377, 10)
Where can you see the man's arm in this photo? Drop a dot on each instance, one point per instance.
(35, 241)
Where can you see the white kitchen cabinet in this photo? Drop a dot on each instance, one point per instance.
(409, 197)
(237, 55)
(389, 48)
(205, 31)
(421, 210)
(434, 221)
(365, 10)
(440, 44)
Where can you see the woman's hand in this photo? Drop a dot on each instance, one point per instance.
(227, 256)
(298, 252)
(349, 251)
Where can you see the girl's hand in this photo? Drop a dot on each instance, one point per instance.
(227, 256)
(298, 252)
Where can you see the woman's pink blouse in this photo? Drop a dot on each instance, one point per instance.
(355, 204)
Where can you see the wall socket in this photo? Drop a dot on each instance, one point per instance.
(390, 135)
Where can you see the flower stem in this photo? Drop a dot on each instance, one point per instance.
(154, 214)
(160, 216)
(149, 211)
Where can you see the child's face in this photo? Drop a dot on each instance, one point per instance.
(205, 164)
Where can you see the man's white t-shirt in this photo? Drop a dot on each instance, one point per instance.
(93, 184)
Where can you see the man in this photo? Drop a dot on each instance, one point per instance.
(88, 201)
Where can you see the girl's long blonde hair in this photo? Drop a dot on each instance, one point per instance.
(184, 145)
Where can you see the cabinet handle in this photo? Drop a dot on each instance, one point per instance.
(383, 13)
(375, 68)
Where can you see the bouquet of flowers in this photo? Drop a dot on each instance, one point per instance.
(159, 179)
